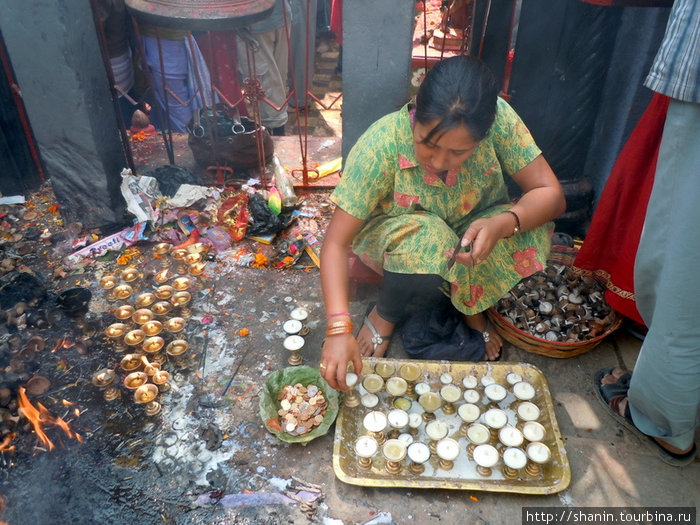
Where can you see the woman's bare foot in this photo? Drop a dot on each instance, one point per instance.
(374, 342)
(493, 342)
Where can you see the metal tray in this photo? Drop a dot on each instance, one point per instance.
(554, 477)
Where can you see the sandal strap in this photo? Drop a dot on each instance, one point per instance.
(376, 338)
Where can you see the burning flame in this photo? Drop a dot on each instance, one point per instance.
(5, 444)
(39, 416)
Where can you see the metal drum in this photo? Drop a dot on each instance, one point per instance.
(200, 15)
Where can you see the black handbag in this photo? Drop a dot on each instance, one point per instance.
(232, 140)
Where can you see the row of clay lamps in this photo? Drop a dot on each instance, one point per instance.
(141, 328)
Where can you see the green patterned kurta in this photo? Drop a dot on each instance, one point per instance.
(413, 217)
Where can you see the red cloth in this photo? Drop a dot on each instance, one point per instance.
(221, 56)
(610, 246)
(337, 20)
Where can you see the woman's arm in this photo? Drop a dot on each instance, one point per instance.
(542, 200)
(338, 350)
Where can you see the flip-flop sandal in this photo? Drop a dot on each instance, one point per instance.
(609, 391)
(377, 339)
(668, 457)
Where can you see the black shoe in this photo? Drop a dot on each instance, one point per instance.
(278, 131)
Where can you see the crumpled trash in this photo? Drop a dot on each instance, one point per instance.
(116, 242)
(262, 219)
(440, 333)
(170, 178)
(140, 194)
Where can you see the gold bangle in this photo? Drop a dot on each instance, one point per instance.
(337, 331)
(340, 323)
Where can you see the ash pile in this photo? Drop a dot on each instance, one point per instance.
(37, 328)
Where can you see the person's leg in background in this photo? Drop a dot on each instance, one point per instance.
(271, 74)
(303, 51)
(664, 392)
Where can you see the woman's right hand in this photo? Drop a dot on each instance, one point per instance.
(338, 351)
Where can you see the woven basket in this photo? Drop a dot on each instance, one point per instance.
(537, 345)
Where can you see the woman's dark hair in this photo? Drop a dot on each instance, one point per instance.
(458, 91)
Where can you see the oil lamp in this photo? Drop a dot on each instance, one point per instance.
(510, 436)
(162, 276)
(176, 348)
(123, 291)
(447, 449)
(179, 255)
(538, 454)
(469, 382)
(164, 292)
(161, 308)
(124, 312)
(471, 396)
(436, 430)
(129, 275)
(410, 372)
(365, 448)
(152, 327)
(495, 392)
(134, 337)
(301, 315)
(477, 434)
(468, 413)
(162, 249)
(394, 451)
(142, 315)
(135, 379)
(145, 299)
(375, 422)
(533, 431)
(352, 398)
(131, 362)
(514, 459)
(485, 456)
(450, 394)
(373, 383)
(160, 379)
(398, 420)
(527, 411)
(182, 299)
(384, 369)
(182, 283)
(153, 344)
(523, 391)
(145, 393)
(419, 454)
(175, 324)
(430, 402)
(294, 343)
